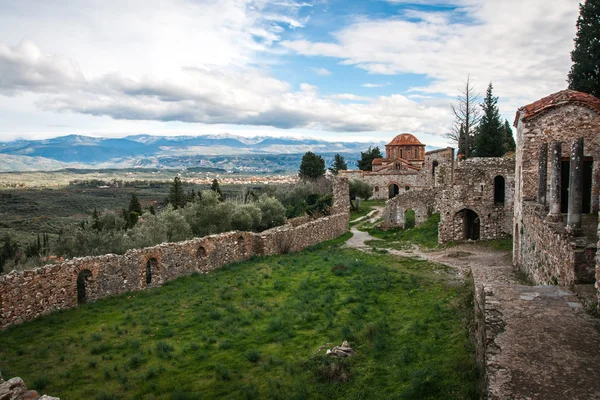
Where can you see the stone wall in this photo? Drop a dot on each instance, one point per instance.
(444, 169)
(546, 253)
(475, 183)
(422, 202)
(28, 294)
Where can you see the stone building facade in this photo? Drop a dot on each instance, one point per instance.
(557, 188)
(25, 295)
(406, 167)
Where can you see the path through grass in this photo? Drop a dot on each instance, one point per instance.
(252, 330)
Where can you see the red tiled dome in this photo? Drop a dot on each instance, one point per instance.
(556, 100)
(404, 139)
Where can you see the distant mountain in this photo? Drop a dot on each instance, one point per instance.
(234, 153)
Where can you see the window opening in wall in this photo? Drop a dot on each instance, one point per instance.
(82, 279)
(499, 190)
(588, 167)
(407, 188)
(201, 253)
(393, 190)
(377, 188)
(400, 153)
(433, 167)
(150, 269)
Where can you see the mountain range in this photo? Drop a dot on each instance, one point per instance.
(229, 152)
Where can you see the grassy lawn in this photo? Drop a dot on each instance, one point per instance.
(425, 235)
(252, 330)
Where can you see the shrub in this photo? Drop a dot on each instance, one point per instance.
(273, 212)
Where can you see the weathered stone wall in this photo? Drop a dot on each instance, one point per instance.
(444, 169)
(28, 294)
(547, 255)
(422, 202)
(473, 189)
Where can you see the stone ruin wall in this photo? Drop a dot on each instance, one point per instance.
(422, 202)
(444, 172)
(474, 189)
(545, 253)
(25, 295)
(541, 248)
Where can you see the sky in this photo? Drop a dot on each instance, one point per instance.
(337, 70)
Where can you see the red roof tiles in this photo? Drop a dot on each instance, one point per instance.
(557, 99)
(404, 139)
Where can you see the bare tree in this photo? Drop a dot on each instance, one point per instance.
(466, 118)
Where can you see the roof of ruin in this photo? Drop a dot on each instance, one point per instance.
(404, 139)
(557, 99)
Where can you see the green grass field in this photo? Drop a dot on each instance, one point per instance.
(252, 330)
(425, 235)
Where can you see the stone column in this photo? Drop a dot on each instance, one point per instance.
(555, 175)
(575, 188)
(542, 174)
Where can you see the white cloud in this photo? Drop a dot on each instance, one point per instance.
(321, 71)
(523, 50)
(372, 85)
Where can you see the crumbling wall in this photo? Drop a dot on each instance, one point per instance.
(474, 189)
(547, 254)
(422, 202)
(25, 295)
(443, 174)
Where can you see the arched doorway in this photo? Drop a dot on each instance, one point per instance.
(240, 247)
(393, 190)
(499, 190)
(151, 267)
(409, 218)
(82, 278)
(471, 224)
(433, 167)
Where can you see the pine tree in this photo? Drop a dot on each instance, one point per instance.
(312, 166)
(216, 188)
(339, 164)
(176, 195)
(366, 158)
(509, 140)
(585, 71)
(489, 139)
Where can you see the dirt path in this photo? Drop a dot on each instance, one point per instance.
(540, 342)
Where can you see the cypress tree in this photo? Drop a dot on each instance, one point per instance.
(509, 140)
(339, 164)
(176, 195)
(312, 166)
(134, 205)
(366, 158)
(216, 188)
(585, 71)
(489, 139)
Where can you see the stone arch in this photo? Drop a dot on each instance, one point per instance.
(499, 190)
(151, 269)
(471, 224)
(393, 190)
(82, 281)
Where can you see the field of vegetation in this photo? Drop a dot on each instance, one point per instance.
(254, 329)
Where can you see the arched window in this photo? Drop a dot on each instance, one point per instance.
(377, 188)
(201, 252)
(499, 190)
(433, 167)
(151, 266)
(82, 279)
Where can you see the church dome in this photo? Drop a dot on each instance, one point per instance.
(404, 139)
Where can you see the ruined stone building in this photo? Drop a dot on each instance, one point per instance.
(406, 167)
(557, 188)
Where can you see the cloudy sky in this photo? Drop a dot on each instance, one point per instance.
(331, 69)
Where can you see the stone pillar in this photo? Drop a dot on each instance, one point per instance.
(575, 188)
(555, 175)
(542, 174)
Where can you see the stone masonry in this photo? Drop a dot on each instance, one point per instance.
(28, 294)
